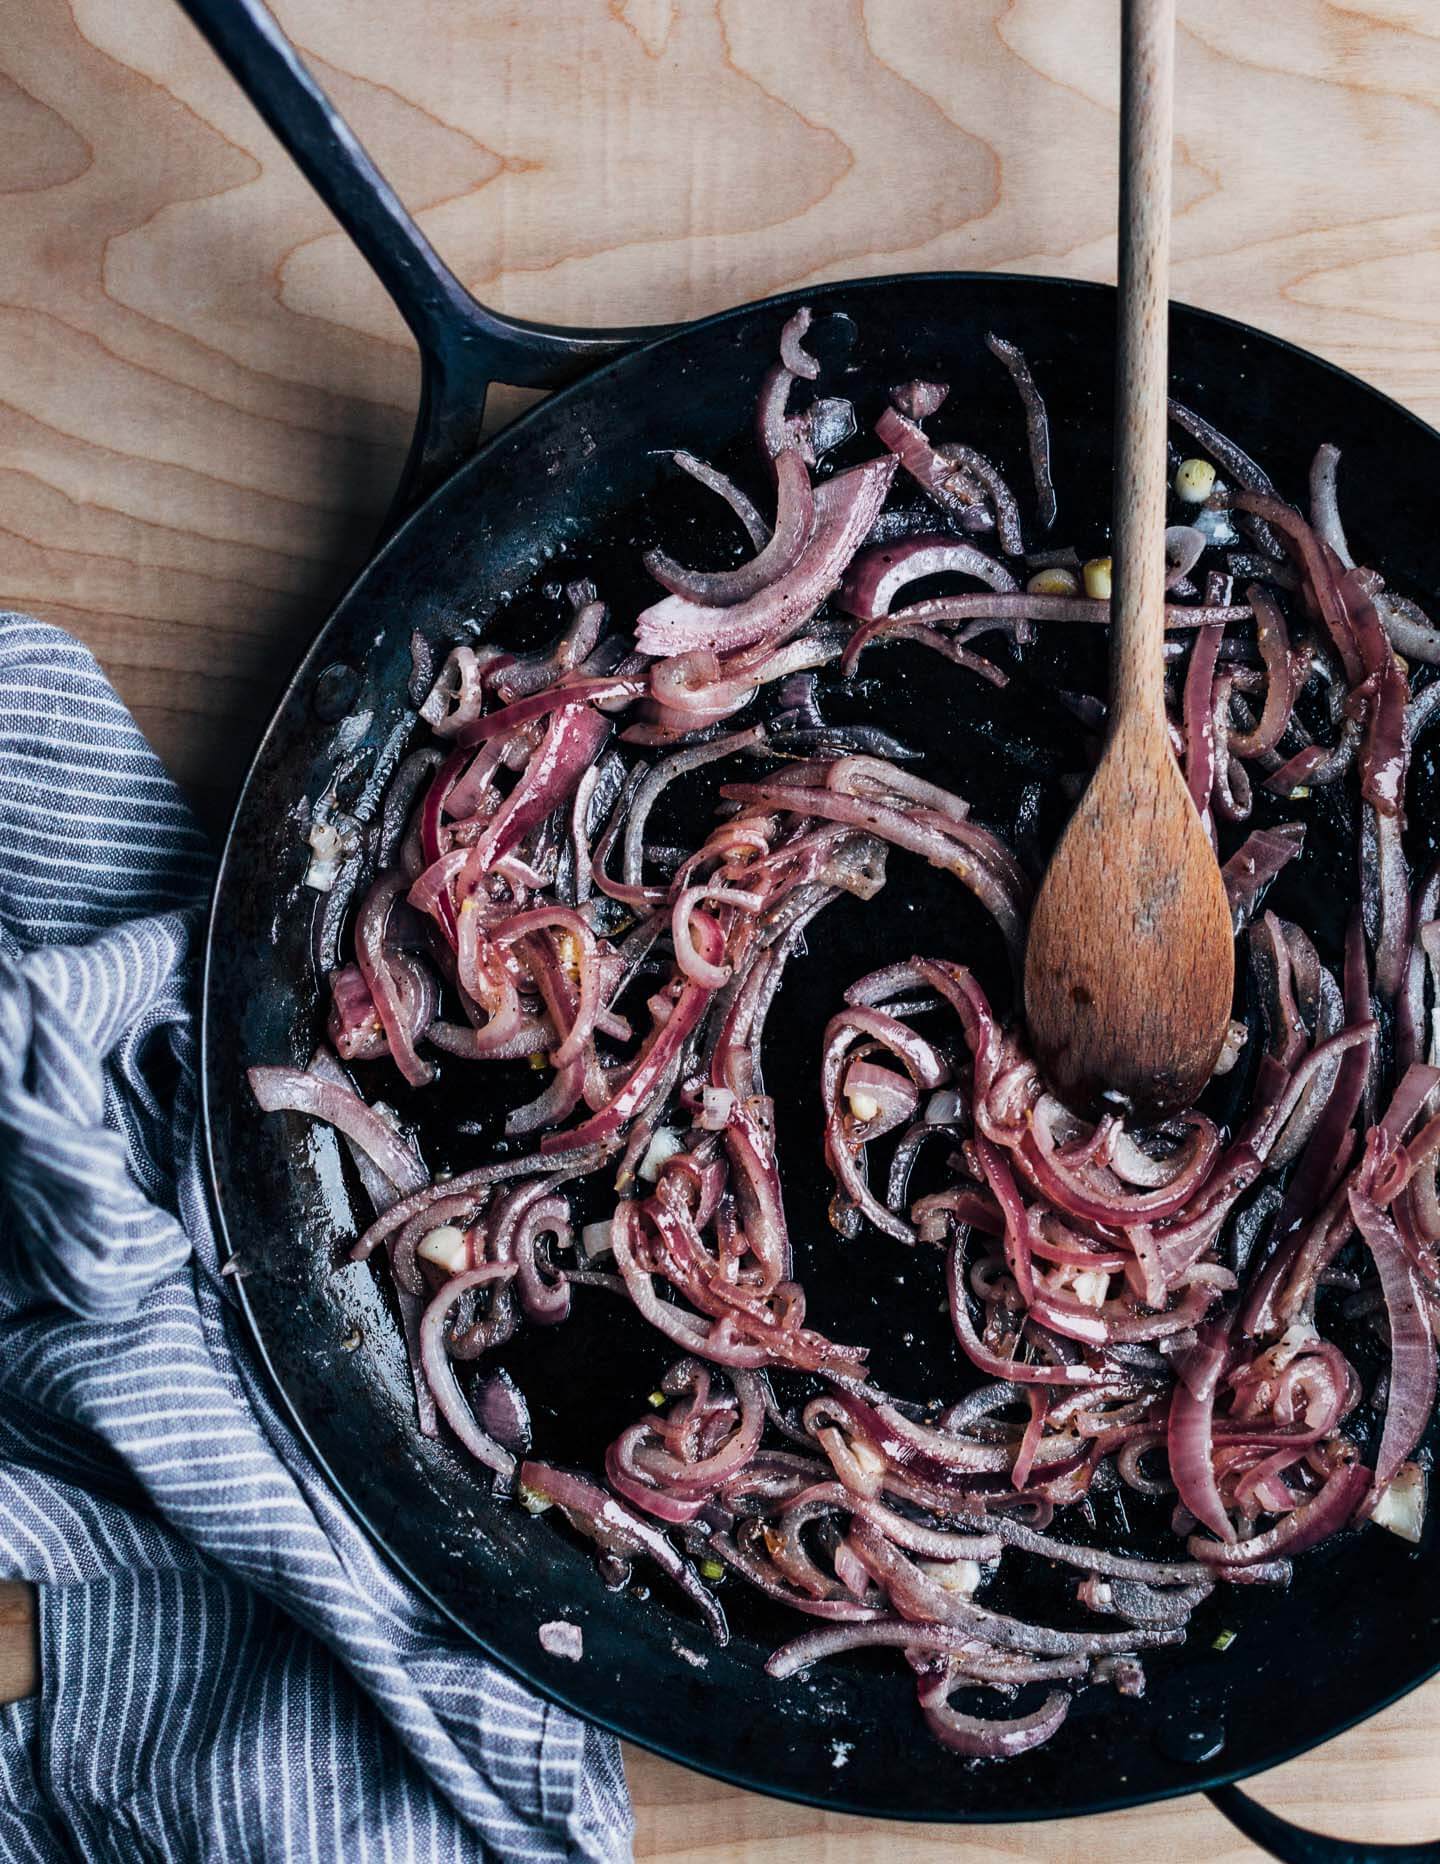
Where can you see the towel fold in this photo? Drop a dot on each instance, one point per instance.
(230, 1670)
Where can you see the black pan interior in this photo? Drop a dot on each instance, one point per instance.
(579, 487)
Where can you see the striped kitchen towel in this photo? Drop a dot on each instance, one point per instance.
(230, 1672)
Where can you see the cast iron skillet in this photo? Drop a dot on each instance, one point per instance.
(580, 484)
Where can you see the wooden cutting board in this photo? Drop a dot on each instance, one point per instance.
(205, 400)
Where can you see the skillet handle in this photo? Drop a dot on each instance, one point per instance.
(1292, 1844)
(463, 346)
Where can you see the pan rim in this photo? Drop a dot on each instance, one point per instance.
(1206, 1776)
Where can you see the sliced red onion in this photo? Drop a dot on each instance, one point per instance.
(1310, 1523)
(766, 1578)
(1411, 1399)
(948, 484)
(449, 1399)
(983, 1737)
(293, 1090)
(1255, 863)
(457, 697)
(355, 1031)
(796, 358)
(1324, 507)
(997, 1365)
(878, 575)
(1101, 1257)
(1184, 547)
(1411, 631)
(755, 526)
(1392, 874)
(1012, 607)
(888, 629)
(1199, 712)
(1238, 463)
(845, 509)
(1094, 1193)
(1280, 679)
(378, 968)
(794, 522)
(1037, 424)
(572, 742)
(700, 970)
(889, 1097)
(503, 1413)
(972, 854)
(1190, 1432)
(618, 1529)
(965, 465)
(479, 1179)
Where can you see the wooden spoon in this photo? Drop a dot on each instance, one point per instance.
(1130, 965)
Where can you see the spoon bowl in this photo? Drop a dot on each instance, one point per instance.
(1130, 964)
(1129, 969)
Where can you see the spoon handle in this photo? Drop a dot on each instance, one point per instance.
(1147, 70)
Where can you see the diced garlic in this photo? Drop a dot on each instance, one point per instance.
(596, 1239)
(716, 1106)
(1401, 1506)
(961, 1576)
(871, 1462)
(328, 849)
(561, 1639)
(663, 1146)
(447, 1248)
(1091, 1286)
(1297, 1338)
(324, 839)
(1213, 524)
(864, 1106)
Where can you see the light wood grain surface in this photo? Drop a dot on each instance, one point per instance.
(204, 399)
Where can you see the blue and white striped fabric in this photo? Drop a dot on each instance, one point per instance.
(229, 1670)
